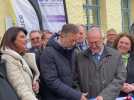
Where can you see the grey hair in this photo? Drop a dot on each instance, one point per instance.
(94, 27)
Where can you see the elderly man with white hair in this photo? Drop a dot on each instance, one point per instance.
(100, 69)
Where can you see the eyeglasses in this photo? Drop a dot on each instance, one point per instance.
(95, 43)
(36, 38)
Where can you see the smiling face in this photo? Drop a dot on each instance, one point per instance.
(95, 41)
(20, 42)
(82, 34)
(35, 38)
(124, 45)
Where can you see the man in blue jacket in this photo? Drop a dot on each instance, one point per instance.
(56, 67)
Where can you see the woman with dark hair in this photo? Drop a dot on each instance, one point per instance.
(125, 45)
(22, 72)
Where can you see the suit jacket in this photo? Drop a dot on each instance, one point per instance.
(104, 79)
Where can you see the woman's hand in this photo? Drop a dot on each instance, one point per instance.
(35, 86)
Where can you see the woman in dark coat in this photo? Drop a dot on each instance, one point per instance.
(125, 45)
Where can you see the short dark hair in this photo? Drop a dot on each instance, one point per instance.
(33, 31)
(10, 37)
(69, 28)
(130, 37)
(44, 32)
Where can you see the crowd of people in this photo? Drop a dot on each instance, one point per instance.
(74, 64)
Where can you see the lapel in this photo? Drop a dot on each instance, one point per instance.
(103, 59)
(88, 54)
(19, 58)
(130, 60)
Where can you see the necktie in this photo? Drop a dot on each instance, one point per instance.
(96, 58)
(80, 46)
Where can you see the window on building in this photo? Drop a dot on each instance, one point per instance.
(125, 5)
(92, 11)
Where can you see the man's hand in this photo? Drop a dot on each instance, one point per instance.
(83, 96)
(99, 98)
(127, 88)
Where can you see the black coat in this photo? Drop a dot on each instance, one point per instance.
(37, 52)
(130, 73)
(6, 91)
(56, 73)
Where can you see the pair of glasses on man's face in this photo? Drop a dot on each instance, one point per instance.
(95, 43)
(36, 38)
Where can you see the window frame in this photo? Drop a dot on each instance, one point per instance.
(125, 11)
(87, 7)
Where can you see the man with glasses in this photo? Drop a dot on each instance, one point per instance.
(37, 44)
(111, 35)
(100, 70)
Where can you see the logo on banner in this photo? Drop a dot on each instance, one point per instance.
(21, 20)
(52, 14)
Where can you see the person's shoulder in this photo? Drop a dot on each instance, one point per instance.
(6, 57)
(49, 51)
(112, 51)
(10, 59)
(84, 53)
(31, 49)
(131, 55)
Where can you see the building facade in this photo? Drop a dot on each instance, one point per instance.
(117, 14)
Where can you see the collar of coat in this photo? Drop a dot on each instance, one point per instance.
(17, 56)
(106, 52)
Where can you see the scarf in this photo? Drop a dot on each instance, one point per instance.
(125, 58)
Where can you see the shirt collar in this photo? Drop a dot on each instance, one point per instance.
(100, 53)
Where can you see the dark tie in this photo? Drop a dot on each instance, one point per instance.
(81, 47)
(96, 58)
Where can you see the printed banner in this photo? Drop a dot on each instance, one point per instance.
(53, 14)
(25, 15)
